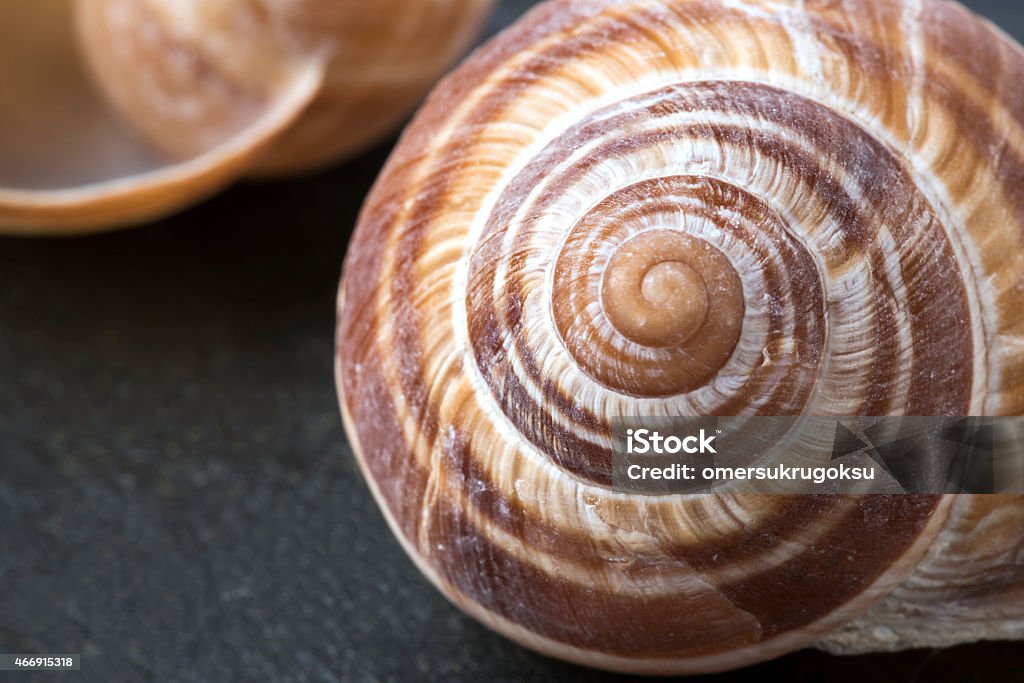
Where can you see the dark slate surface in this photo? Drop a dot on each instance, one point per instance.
(177, 499)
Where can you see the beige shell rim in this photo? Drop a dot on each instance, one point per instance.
(69, 166)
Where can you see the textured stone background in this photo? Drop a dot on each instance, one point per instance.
(177, 499)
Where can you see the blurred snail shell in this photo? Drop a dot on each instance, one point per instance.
(214, 89)
(695, 207)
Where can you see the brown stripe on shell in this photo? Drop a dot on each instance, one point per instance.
(468, 481)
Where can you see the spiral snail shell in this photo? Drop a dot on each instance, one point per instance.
(695, 207)
(212, 90)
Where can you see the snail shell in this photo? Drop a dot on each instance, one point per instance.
(695, 207)
(215, 89)
(192, 74)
